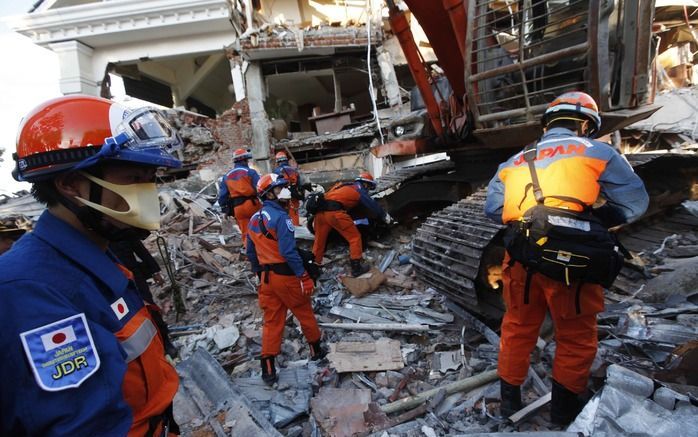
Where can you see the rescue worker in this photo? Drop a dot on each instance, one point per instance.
(339, 200)
(570, 165)
(292, 175)
(237, 192)
(284, 282)
(82, 355)
(11, 228)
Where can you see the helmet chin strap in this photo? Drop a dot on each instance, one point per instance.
(94, 220)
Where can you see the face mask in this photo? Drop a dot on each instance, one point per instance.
(284, 194)
(142, 199)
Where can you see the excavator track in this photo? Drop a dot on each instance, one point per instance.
(448, 248)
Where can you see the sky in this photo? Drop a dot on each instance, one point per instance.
(29, 76)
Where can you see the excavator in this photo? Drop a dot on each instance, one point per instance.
(499, 64)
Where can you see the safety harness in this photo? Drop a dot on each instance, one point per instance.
(283, 268)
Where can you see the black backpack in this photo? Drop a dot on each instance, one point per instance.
(565, 245)
(315, 202)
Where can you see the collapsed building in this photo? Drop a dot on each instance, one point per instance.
(306, 76)
(325, 81)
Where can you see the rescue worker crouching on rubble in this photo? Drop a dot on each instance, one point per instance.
(82, 355)
(292, 175)
(237, 192)
(284, 282)
(340, 199)
(569, 166)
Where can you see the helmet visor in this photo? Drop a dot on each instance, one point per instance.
(147, 128)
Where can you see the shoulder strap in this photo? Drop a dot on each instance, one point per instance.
(263, 228)
(529, 154)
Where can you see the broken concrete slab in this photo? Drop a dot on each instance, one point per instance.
(381, 355)
(227, 337)
(444, 361)
(205, 385)
(624, 407)
(340, 412)
(289, 399)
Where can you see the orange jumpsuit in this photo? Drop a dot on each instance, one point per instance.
(271, 249)
(294, 181)
(241, 183)
(567, 166)
(349, 196)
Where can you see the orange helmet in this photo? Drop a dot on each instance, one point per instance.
(241, 155)
(367, 178)
(281, 157)
(78, 131)
(572, 106)
(268, 182)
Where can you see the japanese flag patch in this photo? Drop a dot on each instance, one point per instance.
(120, 308)
(62, 354)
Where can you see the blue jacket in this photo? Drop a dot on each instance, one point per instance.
(571, 166)
(235, 174)
(289, 173)
(52, 274)
(279, 249)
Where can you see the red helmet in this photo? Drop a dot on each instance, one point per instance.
(78, 131)
(268, 182)
(281, 157)
(366, 177)
(241, 155)
(572, 106)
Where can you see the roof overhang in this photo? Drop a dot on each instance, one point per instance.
(125, 21)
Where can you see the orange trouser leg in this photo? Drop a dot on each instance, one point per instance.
(575, 331)
(343, 223)
(274, 317)
(322, 230)
(521, 324)
(243, 213)
(280, 293)
(293, 206)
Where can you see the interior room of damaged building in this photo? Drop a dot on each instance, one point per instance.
(430, 98)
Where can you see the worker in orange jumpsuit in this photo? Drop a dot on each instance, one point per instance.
(284, 282)
(237, 196)
(339, 200)
(292, 175)
(570, 165)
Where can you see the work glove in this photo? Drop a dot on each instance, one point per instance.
(387, 219)
(306, 284)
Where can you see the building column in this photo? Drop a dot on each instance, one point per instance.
(261, 127)
(390, 83)
(75, 61)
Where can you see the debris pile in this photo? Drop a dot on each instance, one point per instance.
(403, 359)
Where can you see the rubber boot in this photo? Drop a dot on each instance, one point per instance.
(564, 406)
(269, 370)
(317, 351)
(511, 398)
(358, 269)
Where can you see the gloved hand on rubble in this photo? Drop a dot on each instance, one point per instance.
(307, 284)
